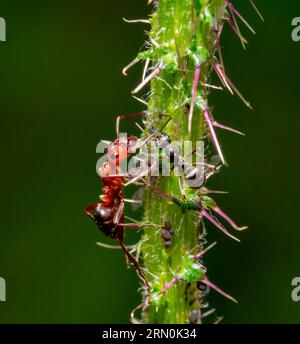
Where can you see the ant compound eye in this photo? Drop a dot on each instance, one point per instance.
(194, 317)
(203, 288)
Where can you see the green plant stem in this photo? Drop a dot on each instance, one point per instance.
(182, 39)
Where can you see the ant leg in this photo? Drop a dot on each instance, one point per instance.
(139, 225)
(142, 174)
(120, 118)
(154, 131)
(114, 247)
(119, 220)
(119, 215)
(135, 263)
(167, 122)
(88, 210)
(133, 201)
(194, 90)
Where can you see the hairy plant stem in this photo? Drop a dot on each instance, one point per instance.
(183, 37)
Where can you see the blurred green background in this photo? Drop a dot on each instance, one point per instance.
(61, 89)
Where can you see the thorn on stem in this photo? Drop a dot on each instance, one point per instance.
(194, 91)
(220, 212)
(218, 290)
(217, 224)
(131, 64)
(144, 21)
(257, 10)
(235, 12)
(151, 76)
(208, 120)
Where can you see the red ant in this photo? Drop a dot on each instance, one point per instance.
(108, 213)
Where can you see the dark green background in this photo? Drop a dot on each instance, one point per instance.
(61, 89)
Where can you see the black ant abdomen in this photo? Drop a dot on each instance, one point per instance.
(103, 217)
(102, 213)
